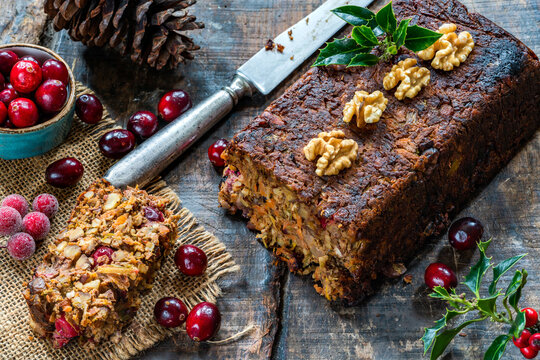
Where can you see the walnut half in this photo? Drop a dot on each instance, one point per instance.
(450, 50)
(413, 78)
(336, 153)
(367, 108)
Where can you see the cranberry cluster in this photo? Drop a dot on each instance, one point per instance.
(30, 92)
(25, 228)
(529, 340)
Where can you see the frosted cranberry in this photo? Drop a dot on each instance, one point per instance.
(3, 113)
(529, 352)
(8, 95)
(531, 317)
(143, 124)
(203, 321)
(25, 76)
(173, 104)
(215, 150)
(89, 109)
(10, 221)
(64, 172)
(51, 96)
(21, 246)
(464, 233)
(16, 201)
(190, 260)
(523, 340)
(115, 144)
(534, 341)
(55, 70)
(7, 60)
(170, 312)
(153, 214)
(46, 204)
(438, 274)
(23, 113)
(102, 256)
(36, 224)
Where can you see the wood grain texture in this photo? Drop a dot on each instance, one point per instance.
(292, 321)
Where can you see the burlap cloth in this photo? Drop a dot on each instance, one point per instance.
(26, 177)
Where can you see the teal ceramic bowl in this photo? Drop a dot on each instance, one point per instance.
(37, 140)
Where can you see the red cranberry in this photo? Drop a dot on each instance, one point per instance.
(153, 214)
(534, 341)
(16, 201)
(64, 332)
(464, 233)
(64, 172)
(529, 352)
(30, 58)
(55, 70)
(8, 94)
(203, 321)
(7, 60)
(531, 317)
(37, 225)
(143, 124)
(438, 274)
(173, 104)
(170, 312)
(25, 76)
(523, 340)
(51, 96)
(46, 204)
(2, 82)
(102, 255)
(21, 246)
(115, 144)
(190, 260)
(89, 109)
(23, 113)
(3, 113)
(215, 150)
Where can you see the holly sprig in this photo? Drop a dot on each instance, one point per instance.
(380, 30)
(439, 336)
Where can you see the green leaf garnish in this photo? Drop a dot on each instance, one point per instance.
(339, 51)
(401, 33)
(518, 325)
(431, 333)
(473, 279)
(419, 38)
(501, 269)
(387, 19)
(513, 298)
(443, 339)
(364, 60)
(354, 15)
(497, 347)
(364, 36)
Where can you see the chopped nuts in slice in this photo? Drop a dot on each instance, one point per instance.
(72, 251)
(451, 50)
(112, 201)
(412, 78)
(367, 108)
(336, 153)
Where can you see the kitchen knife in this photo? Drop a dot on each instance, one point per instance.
(263, 72)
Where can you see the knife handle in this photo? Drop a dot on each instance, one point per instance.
(147, 160)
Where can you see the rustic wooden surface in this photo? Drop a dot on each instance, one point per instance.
(292, 321)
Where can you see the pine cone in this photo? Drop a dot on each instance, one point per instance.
(148, 31)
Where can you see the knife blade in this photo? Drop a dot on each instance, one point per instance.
(263, 73)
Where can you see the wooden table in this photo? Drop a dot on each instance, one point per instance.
(292, 321)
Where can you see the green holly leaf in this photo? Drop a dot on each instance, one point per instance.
(364, 60)
(518, 325)
(497, 347)
(489, 305)
(364, 36)
(354, 15)
(339, 52)
(440, 293)
(419, 38)
(387, 19)
(514, 297)
(401, 33)
(474, 277)
(443, 339)
(501, 269)
(431, 333)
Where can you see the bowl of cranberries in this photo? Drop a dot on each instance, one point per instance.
(37, 100)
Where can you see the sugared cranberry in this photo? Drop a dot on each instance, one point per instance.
(16, 201)
(102, 256)
(8, 95)
(36, 224)
(51, 96)
(25, 76)
(3, 113)
(203, 321)
(23, 113)
(153, 214)
(438, 274)
(46, 204)
(115, 144)
(529, 352)
(170, 312)
(89, 109)
(523, 340)
(464, 233)
(173, 104)
(143, 124)
(531, 317)
(30, 58)
(190, 260)
(215, 150)
(21, 246)
(10, 221)
(64, 172)
(7, 60)
(55, 70)
(64, 332)
(534, 341)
